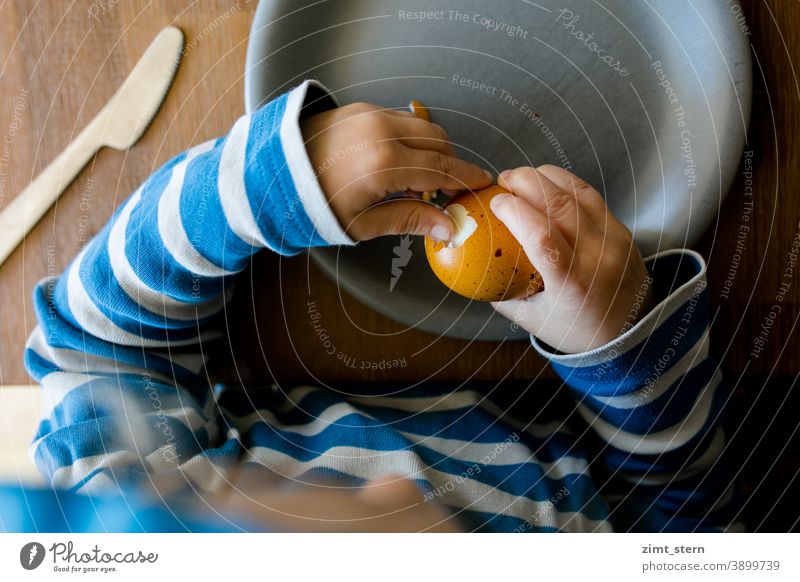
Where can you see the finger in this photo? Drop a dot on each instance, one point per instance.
(418, 109)
(401, 113)
(402, 217)
(548, 250)
(534, 314)
(589, 198)
(558, 204)
(427, 170)
(422, 135)
(520, 311)
(510, 309)
(426, 196)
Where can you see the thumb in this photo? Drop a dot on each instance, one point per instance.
(403, 217)
(537, 235)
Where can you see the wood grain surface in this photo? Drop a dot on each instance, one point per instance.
(61, 61)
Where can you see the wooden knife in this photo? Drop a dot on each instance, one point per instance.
(118, 125)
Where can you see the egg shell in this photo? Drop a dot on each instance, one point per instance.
(490, 265)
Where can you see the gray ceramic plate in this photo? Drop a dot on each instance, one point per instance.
(647, 100)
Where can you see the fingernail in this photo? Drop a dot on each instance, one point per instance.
(498, 201)
(488, 175)
(505, 174)
(440, 233)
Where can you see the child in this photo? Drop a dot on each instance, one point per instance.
(123, 337)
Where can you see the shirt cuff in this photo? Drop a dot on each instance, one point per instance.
(673, 326)
(304, 101)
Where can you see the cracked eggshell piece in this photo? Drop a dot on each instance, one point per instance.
(482, 261)
(463, 225)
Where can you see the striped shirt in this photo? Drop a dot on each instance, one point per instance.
(124, 332)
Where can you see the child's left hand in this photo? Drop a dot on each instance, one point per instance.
(361, 153)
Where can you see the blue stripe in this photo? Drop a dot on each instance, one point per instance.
(112, 301)
(150, 259)
(633, 369)
(204, 219)
(675, 459)
(667, 410)
(66, 445)
(121, 395)
(59, 333)
(37, 366)
(270, 188)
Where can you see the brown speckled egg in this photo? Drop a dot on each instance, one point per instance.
(483, 261)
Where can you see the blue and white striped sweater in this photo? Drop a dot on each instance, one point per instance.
(122, 337)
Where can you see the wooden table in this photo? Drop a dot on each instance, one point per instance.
(62, 61)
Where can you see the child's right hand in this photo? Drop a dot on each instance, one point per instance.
(361, 153)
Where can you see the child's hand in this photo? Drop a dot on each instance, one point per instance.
(361, 153)
(596, 284)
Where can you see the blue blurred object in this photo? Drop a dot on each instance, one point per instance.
(25, 509)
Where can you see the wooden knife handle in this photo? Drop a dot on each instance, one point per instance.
(28, 207)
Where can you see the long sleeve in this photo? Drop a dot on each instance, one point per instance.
(653, 401)
(119, 349)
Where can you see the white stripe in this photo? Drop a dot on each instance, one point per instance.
(462, 399)
(92, 320)
(71, 475)
(145, 296)
(537, 430)
(308, 189)
(56, 385)
(170, 222)
(232, 188)
(101, 483)
(445, 402)
(295, 396)
(658, 442)
(471, 452)
(332, 414)
(187, 415)
(95, 323)
(469, 494)
(724, 499)
(654, 389)
(326, 418)
(205, 474)
(75, 362)
(510, 454)
(708, 458)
